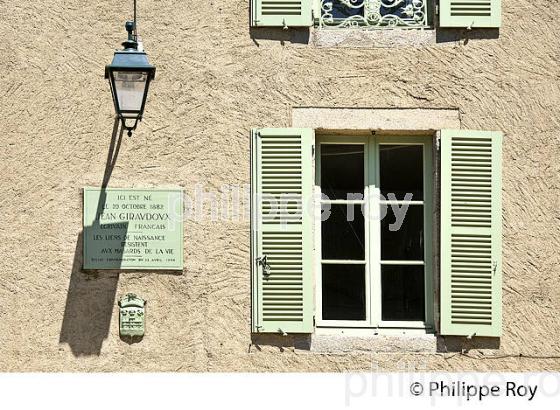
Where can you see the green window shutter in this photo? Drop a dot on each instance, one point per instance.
(470, 13)
(281, 13)
(471, 233)
(281, 230)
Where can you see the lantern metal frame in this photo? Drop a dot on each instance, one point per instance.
(130, 59)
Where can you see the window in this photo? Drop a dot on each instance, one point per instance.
(375, 13)
(374, 232)
(362, 267)
(372, 13)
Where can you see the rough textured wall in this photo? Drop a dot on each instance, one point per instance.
(216, 79)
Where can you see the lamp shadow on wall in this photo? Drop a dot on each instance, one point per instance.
(90, 299)
(89, 306)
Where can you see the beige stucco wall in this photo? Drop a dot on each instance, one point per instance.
(216, 79)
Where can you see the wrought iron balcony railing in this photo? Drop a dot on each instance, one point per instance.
(373, 14)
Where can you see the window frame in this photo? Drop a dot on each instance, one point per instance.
(372, 228)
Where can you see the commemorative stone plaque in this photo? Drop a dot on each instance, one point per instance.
(133, 228)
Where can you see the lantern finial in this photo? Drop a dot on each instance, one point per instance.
(131, 42)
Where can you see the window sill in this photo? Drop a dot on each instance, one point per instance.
(364, 38)
(330, 340)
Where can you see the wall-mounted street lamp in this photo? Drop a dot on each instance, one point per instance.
(129, 75)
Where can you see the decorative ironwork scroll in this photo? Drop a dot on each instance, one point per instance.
(373, 13)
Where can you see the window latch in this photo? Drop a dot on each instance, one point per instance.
(262, 261)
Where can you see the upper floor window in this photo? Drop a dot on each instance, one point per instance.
(375, 13)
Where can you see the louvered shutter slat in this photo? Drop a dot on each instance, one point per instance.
(281, 230)
(471, 233)
(470, 13)
(281, 13)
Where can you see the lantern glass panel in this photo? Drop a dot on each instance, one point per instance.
(129, 87)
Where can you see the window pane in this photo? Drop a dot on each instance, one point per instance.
(129, 87)
(342, 233)
(342, 170)
(402, 292)
(344, 292)
(401, 170)
(340, 9)
(404, 242)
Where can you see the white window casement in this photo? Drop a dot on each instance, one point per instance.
(373, 232)
(343, 224)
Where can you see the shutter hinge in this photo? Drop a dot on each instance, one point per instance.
(313, 152)
(313, 321)
(437, 10)
(438, 140)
